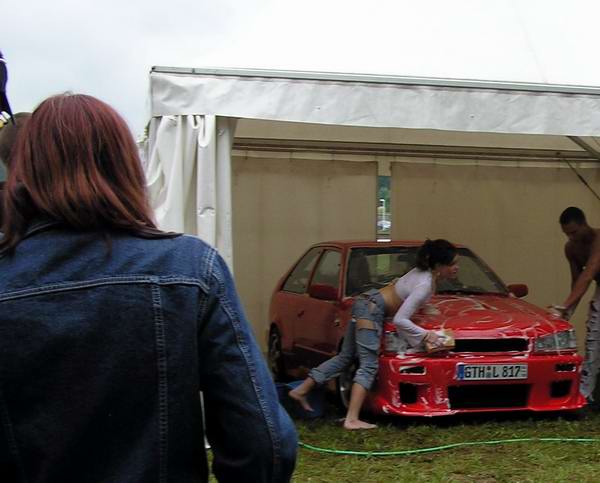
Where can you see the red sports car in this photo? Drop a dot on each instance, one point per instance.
(509, 354)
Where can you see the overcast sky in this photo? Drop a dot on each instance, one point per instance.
(107, 48)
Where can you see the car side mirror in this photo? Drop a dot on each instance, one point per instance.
(518, 289)
(323, 292)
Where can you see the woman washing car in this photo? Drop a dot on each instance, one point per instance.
(436, 260)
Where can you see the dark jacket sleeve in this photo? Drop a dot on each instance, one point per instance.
(251, 435)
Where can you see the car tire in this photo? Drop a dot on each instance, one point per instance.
(575, 414)
(275, 355)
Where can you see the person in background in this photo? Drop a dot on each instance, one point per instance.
(110, 327)
(5, 110)
(582, 252)
(436, 260)
(8, 136)
(5, 119)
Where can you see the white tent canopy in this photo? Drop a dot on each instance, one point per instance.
(193, 110)
(378, 101)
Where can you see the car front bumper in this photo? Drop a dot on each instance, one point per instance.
(428, 386)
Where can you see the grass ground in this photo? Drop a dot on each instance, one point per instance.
(509, 462)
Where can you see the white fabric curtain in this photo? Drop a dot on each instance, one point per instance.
(188, 171)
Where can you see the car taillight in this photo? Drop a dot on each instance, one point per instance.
(346, 303)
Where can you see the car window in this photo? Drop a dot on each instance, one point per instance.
(297, 281)
(375, 267)
(474, 276)
(328, 270)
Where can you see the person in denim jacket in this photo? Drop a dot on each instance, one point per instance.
(110, 328)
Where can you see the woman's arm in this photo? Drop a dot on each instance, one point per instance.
(419, 296)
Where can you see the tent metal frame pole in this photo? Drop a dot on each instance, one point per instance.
(383, 79)
(590, 149)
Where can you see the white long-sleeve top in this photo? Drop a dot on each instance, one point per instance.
(415, 289)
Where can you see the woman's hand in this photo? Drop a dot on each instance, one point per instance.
(433, 338)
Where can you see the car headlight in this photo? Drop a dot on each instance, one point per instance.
(564, 340)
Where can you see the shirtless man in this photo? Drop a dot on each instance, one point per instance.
(583, 254)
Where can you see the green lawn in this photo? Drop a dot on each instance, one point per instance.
(508, 462)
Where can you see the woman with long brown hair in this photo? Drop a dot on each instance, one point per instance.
(110, 328)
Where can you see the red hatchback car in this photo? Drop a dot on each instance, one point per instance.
(509, 354)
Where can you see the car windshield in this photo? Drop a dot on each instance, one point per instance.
(375, 267)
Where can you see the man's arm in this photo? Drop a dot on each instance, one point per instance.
(580, 280)
(575, 272)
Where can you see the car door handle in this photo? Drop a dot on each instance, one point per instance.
(336, 322)
(301, 313)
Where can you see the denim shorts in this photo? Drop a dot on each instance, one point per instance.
(361, 344)
(370, 306)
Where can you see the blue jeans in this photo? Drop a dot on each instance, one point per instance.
(591, 363)
(361, 343)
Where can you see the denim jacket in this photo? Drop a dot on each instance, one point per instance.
(106, 341)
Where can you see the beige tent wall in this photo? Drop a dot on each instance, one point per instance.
(282, 205)
(508, 214)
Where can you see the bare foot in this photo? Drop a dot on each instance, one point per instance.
(301, 398)
(358, 424)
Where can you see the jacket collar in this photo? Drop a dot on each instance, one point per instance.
(40, 223)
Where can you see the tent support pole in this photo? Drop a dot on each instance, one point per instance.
(580, 142)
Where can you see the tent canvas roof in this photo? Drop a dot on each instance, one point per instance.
(378, 101)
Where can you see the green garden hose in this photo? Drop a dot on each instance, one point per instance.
(447, 446)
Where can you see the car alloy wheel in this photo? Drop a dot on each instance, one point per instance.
(344, 385)
(275, 355)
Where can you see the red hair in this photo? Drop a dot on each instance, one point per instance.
(76, 162)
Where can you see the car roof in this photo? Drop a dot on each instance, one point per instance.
(345, 244)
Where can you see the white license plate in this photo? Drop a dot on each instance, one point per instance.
(490, 372)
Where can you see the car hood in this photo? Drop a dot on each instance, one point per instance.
(488, 316)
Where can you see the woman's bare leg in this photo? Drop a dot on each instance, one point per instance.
(357, 397)
(299, 393)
